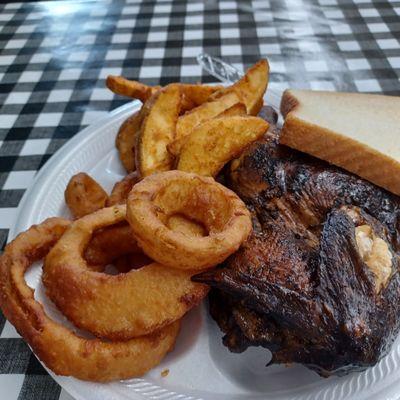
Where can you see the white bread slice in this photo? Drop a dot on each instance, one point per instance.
(358, 132)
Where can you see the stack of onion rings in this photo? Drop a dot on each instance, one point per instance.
(58, 347)
(117, 307)
(193, 223)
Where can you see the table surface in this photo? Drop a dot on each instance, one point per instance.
(55, 56)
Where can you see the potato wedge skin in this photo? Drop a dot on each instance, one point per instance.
(126, 139)
(251, 88)
(215, 142)
(134, 89)
(84, 195)
(157, 131)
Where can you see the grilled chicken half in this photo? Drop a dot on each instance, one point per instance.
(317, 282)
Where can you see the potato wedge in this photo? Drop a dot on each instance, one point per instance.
(251, 88)
(134, 89)
(215, 142)
(84, 195)
(126, 139)
(237, 109)
(157, 131)
(174, 148)
(205, 111)
(195, 95)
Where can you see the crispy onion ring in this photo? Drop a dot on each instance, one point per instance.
(127, 262)
(59, 348)
(108, 244)
(158, 197)
(179, 223)
(117, 307)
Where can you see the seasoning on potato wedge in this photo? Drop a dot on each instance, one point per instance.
(251, 88)
(157, 131)
(215, 142)
(204, 112)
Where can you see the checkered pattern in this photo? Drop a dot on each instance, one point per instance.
(55, 56)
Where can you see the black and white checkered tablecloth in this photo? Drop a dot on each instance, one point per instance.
(54, 57)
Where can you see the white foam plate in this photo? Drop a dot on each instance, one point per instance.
(200, 367)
